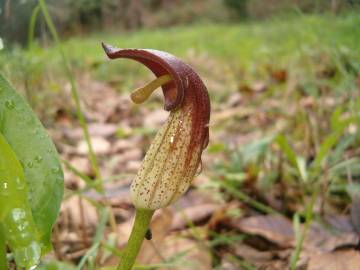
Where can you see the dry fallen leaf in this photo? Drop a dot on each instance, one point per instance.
(196, 257)
(95, 130)
(79, 214)
(119, 163)
(122, 145)
(338, 260)
(252, 255)
(358, 81)
(102, 102)
(100, 146)
(234, 100)
(155, 118)
(82, 164)
(279, 75)
(274, 228)
(256, 87)
(320, 240)
(228, 265)
(193, 215)
(236, 112)
(279, 230)
(355, 213)
(342, 223)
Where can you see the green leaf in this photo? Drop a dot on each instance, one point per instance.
(328, 143)
(38, 156)
(255, 149)
(216, 148)
(16, 220)
(55, 265)
(348, 166)
(286, 149)
(343, 144)
(297, 162)
(336, 117)
(301, 166)
(353, 190)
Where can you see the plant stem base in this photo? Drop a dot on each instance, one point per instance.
(140, 227)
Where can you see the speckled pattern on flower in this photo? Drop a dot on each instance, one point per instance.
(175, 154)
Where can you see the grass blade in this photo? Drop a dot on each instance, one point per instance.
(74, 90)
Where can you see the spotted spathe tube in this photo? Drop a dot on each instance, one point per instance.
(174, 156)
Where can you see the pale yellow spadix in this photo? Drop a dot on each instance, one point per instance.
(142, 94)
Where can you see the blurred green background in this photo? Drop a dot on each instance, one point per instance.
(84, 16)
(243, 37)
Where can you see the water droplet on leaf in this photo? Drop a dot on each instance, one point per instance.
(4, 188)
(18, 214)
(9, 104)
(38, 159)
(59, 179)
(19, 184)
(55, 169)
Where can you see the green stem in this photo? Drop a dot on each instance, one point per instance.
(32, 24)
(141, 225)
(248, 200)
(3, 260)
(74, 91)
(300, 239)
(75, 94)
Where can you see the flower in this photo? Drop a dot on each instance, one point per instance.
(174, 156)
